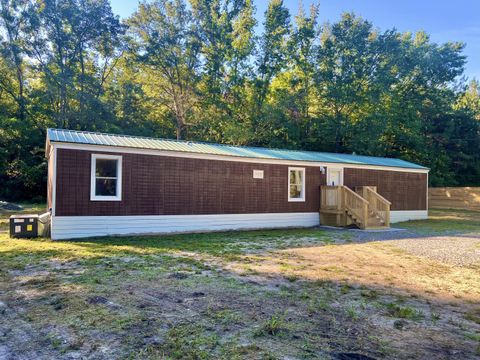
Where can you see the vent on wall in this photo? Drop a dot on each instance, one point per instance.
(258, 174)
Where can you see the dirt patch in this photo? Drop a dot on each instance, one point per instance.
(378, 265)
(213, 315)
(409, 299)
(315, 294)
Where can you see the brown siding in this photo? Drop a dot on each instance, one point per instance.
(161, 185)
(406, 191)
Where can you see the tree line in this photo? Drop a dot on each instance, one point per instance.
(198, 70)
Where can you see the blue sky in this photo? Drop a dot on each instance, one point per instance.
(443, 20)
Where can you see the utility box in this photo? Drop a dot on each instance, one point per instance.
(24, 226)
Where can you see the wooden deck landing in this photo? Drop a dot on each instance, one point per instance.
(364, 207)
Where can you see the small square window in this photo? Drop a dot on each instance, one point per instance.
(106, 178)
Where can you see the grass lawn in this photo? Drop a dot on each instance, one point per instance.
(28, 208)
(297, 294)
(447, 221)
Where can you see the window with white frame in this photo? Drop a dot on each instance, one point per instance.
(106, 178)
(296, 184)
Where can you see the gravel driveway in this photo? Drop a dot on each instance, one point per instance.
(459, 250)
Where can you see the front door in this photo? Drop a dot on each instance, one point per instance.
(334, 177)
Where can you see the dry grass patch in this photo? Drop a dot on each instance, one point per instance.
(377, 265)
(301, 294)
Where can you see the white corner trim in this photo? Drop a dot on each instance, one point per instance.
(406, 215)
(93, 196)
(127, 150)
(302, 198)
(70, 227)
(54, 180)
(427, 191)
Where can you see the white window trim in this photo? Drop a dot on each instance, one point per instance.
(335, 169)
(300, 199)
(94, 197)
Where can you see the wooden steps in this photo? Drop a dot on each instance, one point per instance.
(364, 208)
(373, 221)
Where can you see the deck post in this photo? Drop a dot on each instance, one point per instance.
(387, 216)
(365, 216)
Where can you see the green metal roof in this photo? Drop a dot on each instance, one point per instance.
(137, 142)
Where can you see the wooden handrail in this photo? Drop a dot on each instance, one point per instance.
(350, 191)
(356, 205)
(377, 195)
(379, 205)
(381, 198)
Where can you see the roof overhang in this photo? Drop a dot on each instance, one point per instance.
(194, 155)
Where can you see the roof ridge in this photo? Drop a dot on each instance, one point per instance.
(231, 150)
(218, 144)
(183, 141)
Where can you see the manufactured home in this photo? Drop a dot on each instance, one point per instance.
(105, 184)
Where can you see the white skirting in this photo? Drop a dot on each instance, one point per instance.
(70, 227)
(405, 215)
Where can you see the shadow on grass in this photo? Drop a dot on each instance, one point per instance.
(217, 243)
(321, 316)
(225, 245)
(311, 304)
(440, 223)
(230, 244)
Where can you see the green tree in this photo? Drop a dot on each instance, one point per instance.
(74, 44)
(12, 78)
(302, 49)
(272, 58)
(225, 30)
(273, 46)
(290, 92)
(164, 40)
(342, 87)
(346, 84)
(470, 99)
